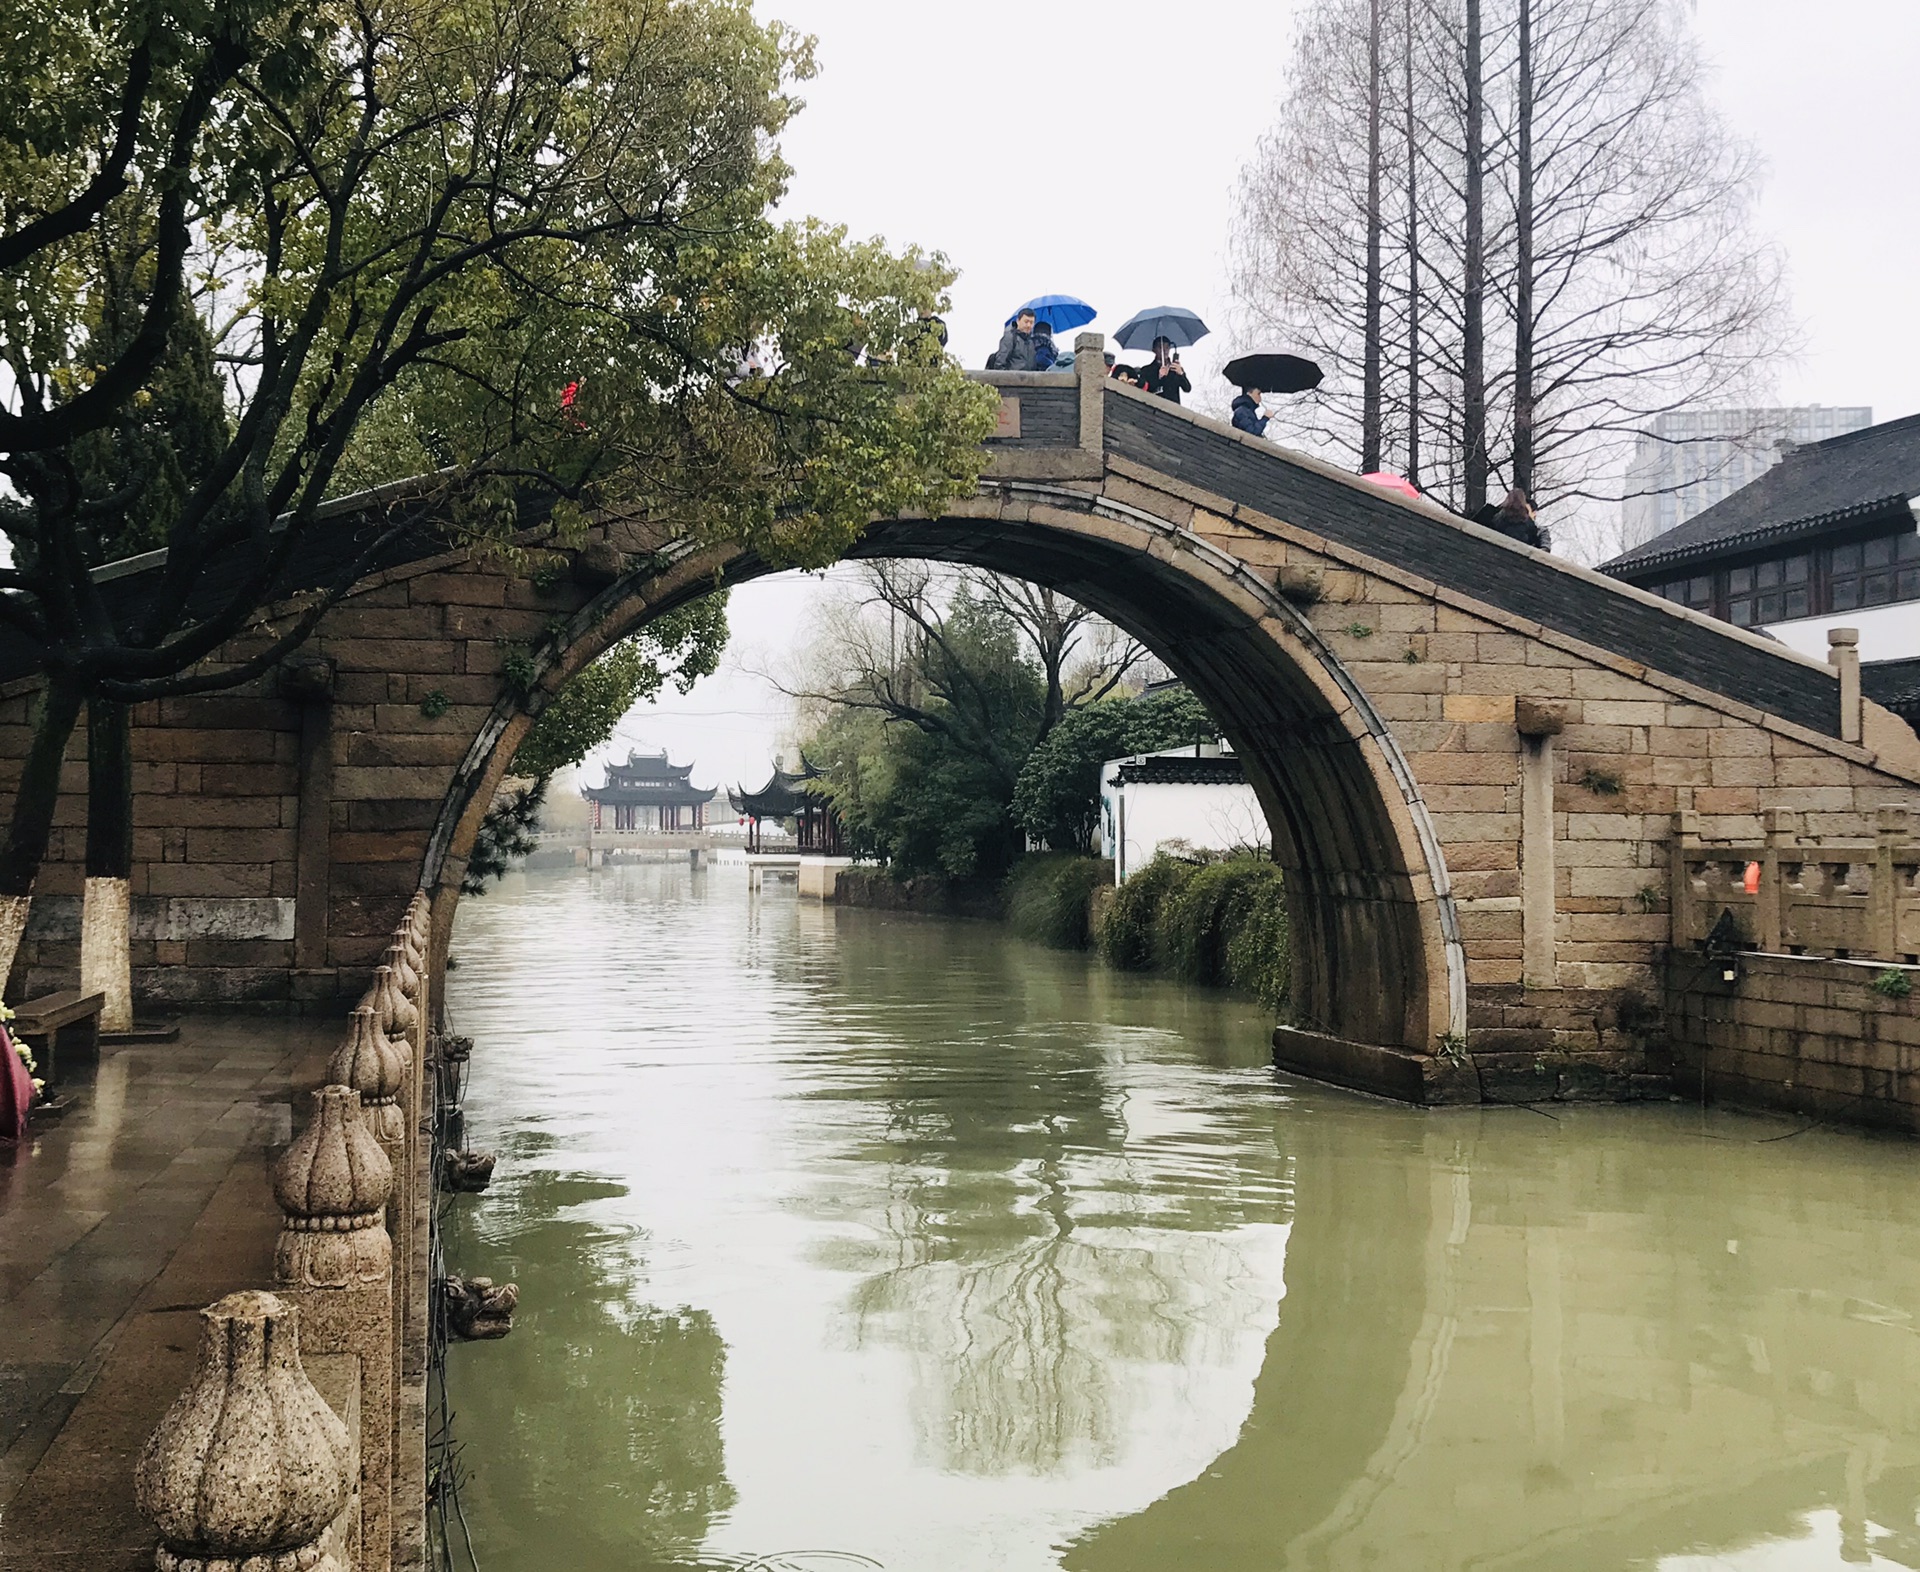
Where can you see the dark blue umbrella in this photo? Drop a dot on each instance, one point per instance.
(1062, 313)
(1179, 326)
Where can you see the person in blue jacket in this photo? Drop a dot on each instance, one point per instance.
(1045, 351)
(1248, 416)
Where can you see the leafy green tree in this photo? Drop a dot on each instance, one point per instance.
(920, 759)
(681, 647)
(1057, 796)
(518, 248)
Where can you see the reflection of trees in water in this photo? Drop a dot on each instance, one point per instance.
(592, 1373)
(1031, 1248)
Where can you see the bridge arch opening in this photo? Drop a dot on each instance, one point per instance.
(1376, 953)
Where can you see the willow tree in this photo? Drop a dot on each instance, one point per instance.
(514, 247)
(1568, 249)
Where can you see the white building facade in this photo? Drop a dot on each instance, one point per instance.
(1195, 798)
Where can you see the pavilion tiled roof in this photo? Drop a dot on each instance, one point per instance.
(1864, 476)
(1181, 769)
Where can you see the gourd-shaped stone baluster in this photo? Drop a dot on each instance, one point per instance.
(392, 1008)
(333, 1184)
(415, 929)
(374, 1065)
(249, 1467)
(406, 978)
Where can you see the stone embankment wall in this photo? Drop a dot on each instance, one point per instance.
(1800, 1033)
(983, 899)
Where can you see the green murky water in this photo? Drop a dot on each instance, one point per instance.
(853, 1241)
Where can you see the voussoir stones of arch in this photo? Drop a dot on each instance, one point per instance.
(249, 1467)
(332, 1185)
(598, 564)
(374, 1065)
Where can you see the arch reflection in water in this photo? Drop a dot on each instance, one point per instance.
(995, 1240)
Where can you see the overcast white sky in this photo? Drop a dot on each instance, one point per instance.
(1091, 147)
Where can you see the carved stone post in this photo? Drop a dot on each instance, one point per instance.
(1538, 721)
(249, 1468)
(376, 1066)
(335, 1259)
(1770, 915)
(1889, 830)
(1843, 654)
(1686, 827)
(333, 1184)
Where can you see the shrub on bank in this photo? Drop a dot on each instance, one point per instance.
(1048, 897)
(1129, 938)
(1221, 922)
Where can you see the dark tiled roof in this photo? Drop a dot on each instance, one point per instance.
(646, 767)
(1896, 684)
(781, 798)
(1182, 770)
(1472, 561)
(664, 793)
(1864, 476)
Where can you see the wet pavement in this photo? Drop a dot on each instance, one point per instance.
(148, 1199)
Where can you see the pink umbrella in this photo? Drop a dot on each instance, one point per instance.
(1388, 481)
(16, 1091)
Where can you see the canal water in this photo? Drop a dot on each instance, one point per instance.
(853, 1240)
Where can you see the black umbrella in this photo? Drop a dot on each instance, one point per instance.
(1273, 373)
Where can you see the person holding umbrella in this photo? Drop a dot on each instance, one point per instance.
(1248, 416)
(1168, 329)
(1164, 374)
(1257, 375)
(1016, 345)
(1020, 348)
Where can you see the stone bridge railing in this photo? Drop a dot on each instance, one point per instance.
(1843, 900)
(299, 1444)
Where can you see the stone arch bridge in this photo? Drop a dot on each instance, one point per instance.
(1472, 755)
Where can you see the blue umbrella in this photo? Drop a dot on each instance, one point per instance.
(1176, 324)
(1062, 313)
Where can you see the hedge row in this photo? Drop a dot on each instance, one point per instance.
(1220, 922)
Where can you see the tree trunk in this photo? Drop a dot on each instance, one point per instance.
(1473, 302)
(31, 825)
(1523, 263)
(1371, 375)
(106, 961)
(1413, 258)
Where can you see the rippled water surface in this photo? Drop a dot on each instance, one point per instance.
(848, 1240)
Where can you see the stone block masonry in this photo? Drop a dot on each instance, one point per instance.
(1803, 1034)
(1473, 756)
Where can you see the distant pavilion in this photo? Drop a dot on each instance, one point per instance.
(816, 827)
(647, 793)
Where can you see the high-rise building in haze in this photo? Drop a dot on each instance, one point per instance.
(1694, 457)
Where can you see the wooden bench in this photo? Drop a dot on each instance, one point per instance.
(57, 1026)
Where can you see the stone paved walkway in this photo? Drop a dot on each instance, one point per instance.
(146, 1201)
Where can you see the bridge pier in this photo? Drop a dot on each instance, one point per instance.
(1427, 1079)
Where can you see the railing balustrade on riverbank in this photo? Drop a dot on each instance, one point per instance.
(1791, 894)
(299, 1443)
